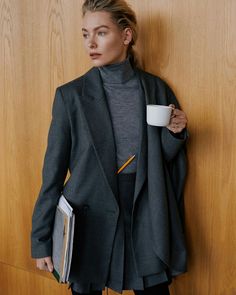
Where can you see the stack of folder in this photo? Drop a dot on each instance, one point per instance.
(62, 240)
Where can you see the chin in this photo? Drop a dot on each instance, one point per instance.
(98, 63)
(101, 63)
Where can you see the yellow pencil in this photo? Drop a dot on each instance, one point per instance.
(125, 164)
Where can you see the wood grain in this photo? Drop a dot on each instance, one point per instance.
(17, 281)
(190, 44)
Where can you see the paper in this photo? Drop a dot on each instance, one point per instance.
(62, 240)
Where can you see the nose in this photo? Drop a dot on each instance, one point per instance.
(92, 43)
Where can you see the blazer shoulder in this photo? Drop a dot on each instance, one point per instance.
(163, 90)
(73, 85)
(154, 78)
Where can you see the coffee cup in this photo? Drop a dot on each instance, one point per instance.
(158, 115)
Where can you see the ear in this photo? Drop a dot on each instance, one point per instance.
(127, 33)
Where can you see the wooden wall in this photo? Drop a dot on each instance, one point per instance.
(191, 44)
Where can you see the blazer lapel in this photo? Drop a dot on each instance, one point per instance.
(100, 125)
(149, 95)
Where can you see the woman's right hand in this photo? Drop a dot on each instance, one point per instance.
(45, 263)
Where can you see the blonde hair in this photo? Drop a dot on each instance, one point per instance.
(122, 15)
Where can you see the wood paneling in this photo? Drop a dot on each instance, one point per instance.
(20, 282)
(192, 45)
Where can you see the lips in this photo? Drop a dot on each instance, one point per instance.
(94, 55)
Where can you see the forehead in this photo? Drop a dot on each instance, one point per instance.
(91, 20)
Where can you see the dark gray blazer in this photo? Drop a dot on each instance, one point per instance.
(81, 139)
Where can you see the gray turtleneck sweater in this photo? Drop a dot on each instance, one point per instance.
(123, 93)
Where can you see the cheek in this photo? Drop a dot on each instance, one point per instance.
(114, 45)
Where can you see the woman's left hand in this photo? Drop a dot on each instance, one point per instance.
(178, 120)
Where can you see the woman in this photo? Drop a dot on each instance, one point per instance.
(129, 231)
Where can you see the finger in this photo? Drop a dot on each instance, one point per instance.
(178, 120)
(41, 265)
(176, 127)
(175, 130)
(178, 112)
(172, 112)
(45, 264)
(49, 263)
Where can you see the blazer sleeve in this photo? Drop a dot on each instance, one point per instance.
(171, 142)
(55, 167)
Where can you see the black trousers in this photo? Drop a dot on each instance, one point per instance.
(160, 289)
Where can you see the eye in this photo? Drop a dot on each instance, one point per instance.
(85, 36)
(101, 33)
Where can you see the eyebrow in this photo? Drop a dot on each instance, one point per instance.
(96, 28)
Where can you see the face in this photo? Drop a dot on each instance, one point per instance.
(103, 39)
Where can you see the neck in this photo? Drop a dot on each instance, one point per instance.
(119, 72)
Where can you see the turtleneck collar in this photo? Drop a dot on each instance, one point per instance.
(117, 73)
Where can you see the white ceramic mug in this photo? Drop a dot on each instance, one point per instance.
(158, 115)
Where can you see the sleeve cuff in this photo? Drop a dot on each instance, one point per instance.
(172, 142)
(41, 250)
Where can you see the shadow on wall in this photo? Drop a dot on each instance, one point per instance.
(154, 43)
